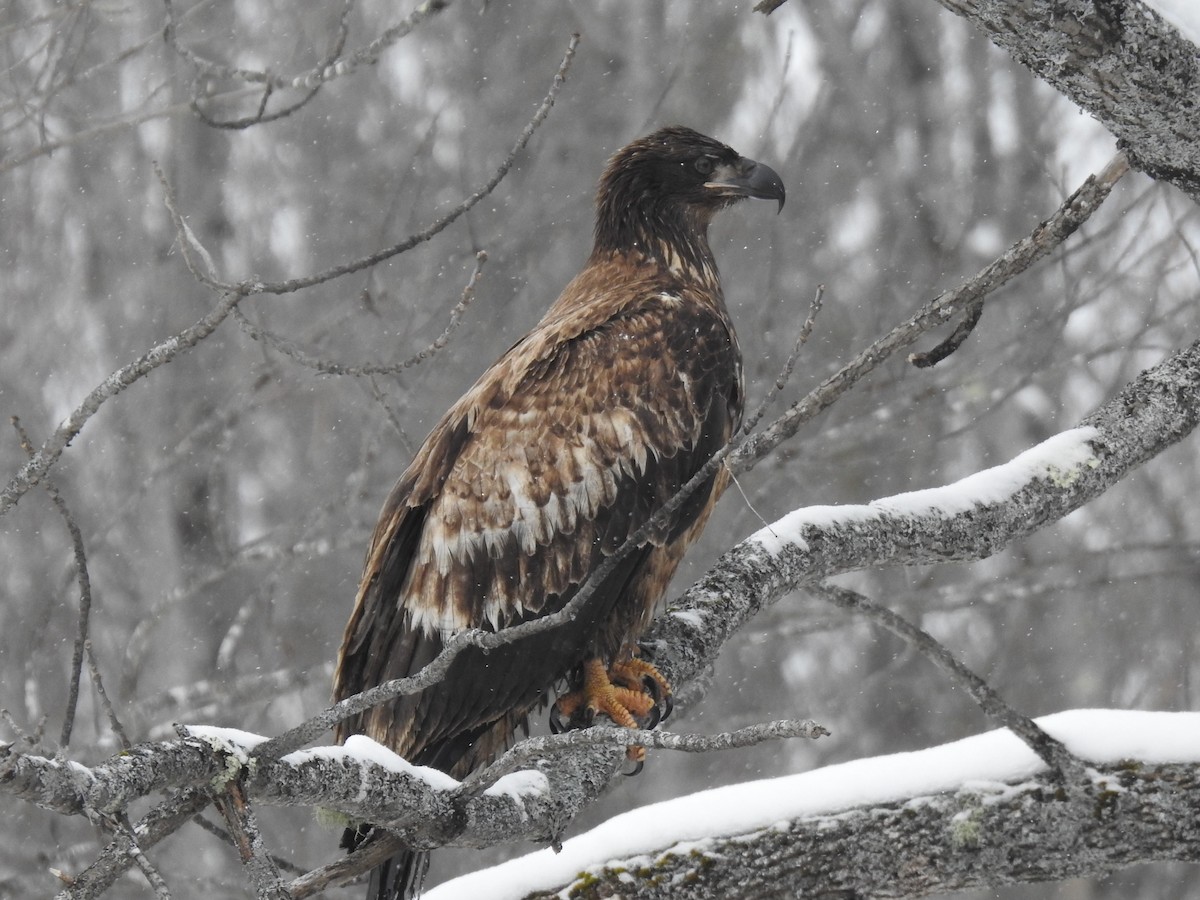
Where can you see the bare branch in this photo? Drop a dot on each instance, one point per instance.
(47, 455)
(110, 711)
(125, 830)
(332, 66)
(1052, 751)
(330, 367)
(532, 749)
(1059, 228)
(543, 110)
(1152, 413)
(248, 839)
(789, 364)
(85, 589)
(1074, 211)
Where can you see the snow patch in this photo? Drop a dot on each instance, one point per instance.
(361, 747)
(237, 742)
(518, 785)
(693, 618)
(1058, 458)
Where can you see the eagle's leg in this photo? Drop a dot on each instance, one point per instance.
(637, 674)
(626, 692)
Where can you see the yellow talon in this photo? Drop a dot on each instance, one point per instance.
(620, 693)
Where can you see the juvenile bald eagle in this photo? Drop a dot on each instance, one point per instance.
(558, 453)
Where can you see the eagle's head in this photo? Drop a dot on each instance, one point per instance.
(667, 186)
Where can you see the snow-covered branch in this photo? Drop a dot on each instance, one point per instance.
(977, 812)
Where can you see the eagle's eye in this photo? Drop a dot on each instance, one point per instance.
(704, 165)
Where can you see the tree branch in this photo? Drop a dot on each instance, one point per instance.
(1119, 61)
(976, 837)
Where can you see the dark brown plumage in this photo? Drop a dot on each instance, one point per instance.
(557, 454)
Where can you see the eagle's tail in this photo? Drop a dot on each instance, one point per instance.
(399, 878)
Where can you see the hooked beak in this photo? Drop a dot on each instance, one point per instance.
(747, 178)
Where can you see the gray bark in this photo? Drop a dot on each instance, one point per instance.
(1119, 61)
(973, 838)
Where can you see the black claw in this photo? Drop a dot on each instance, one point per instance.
(589, 716)
(653, 688)
(668, 705)
(638, 765)
(653, 717)
(556, 724)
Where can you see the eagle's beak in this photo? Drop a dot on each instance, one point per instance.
(747, 178)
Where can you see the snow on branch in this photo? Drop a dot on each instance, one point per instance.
(977, 812)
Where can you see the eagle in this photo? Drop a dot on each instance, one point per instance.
(545, 467)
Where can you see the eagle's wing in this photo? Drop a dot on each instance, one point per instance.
(562, 450)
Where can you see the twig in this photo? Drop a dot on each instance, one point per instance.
(85, 588)
(1060, 227)
(533, 748)
(328, 367)
(116, 857)
(1051, 233)
(188, 242)
(224, 837)
(261, 116)
(243, 827)
(123, 828)
(1052, 751)
(113, 721)
(329, 68)
(379, 397)
(790, 364)
(543, 110)
(48, 454)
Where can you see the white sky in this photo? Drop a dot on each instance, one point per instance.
(983, 762)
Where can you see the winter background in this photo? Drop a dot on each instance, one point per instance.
(226, 500)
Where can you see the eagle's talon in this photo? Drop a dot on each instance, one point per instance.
(556, 722)
(638, 765)
(652, 688)
(653, 717)
(668, 707)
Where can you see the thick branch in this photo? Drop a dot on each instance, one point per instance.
(974, 838)
(1120, 62)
